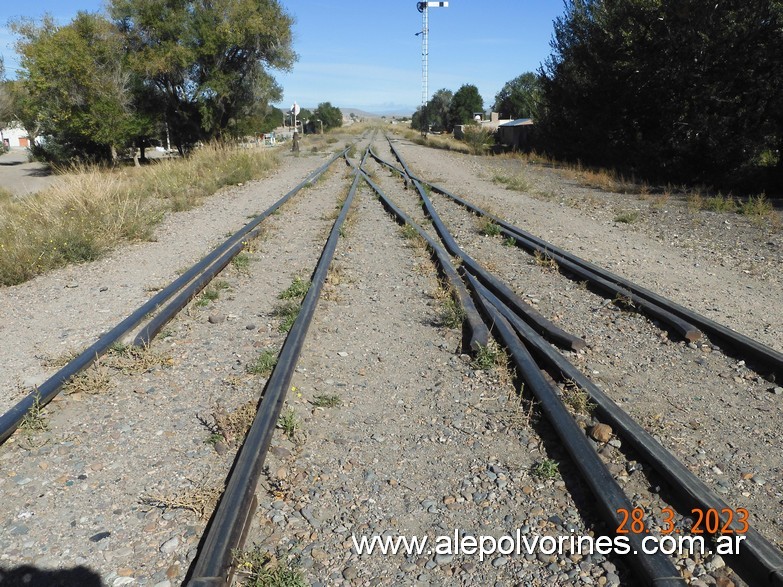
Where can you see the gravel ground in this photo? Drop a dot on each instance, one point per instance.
(393, 429)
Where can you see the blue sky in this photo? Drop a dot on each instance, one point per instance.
(365, 54)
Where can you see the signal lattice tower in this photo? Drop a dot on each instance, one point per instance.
(425, 51)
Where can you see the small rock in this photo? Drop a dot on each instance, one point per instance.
(170, 545)
(443, 559)
(350, 573)
(99, 536)
(216, 319)
(601, 432)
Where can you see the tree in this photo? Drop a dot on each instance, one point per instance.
(680, 90)
(329, 115)
(519, 98)
(435, 113)
(75, 87)
(206, 59)
(6, 98)
(464, 104)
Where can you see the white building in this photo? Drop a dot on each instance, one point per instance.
(15, 136)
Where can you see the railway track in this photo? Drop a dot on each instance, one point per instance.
(276, 501)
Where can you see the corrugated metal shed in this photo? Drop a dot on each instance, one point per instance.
(515, 134)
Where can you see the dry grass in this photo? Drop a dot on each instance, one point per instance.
(230, 427)
(93, 380)
(200, 499)
(517, 182)
(92, 210)
(134, 360)
(545, 261)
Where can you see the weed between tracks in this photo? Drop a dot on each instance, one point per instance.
(211, 293)
(545, 469)
(288, 311)
(229, 427)
(289, 423)
(544, 260)
(241, 263)
(257, 568)
(133, 359)
(200, 499)
(452, 314)
(34, 420)
(488, 227)
(264, 363)
(328, 400)
(296, 290)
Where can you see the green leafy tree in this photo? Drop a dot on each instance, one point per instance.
(680, 90)
(465, 102)
(330, 116)
(435, 113)
(76, 88)
(519, 98)
(207, 60)
(6, 98)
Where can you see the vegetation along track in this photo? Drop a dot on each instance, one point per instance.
(384, 427)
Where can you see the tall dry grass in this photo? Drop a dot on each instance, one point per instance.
(92, 210)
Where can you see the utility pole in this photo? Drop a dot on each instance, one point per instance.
(425, 52)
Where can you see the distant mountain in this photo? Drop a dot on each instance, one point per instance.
(366, 114)
(398, 112)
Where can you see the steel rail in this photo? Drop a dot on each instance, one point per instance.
(761, 563)
(655, 569)
(154, 326)
(685, 329)
(479, 332)
(48, 390)
(539, 322)
(770, 360)
(228, 527)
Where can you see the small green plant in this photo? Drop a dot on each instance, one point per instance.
(627, 217)
(327, 400)
(264, 363)
(212, 293)
(241, 263)
(120, 348)
(258, 569)
(289, 423)
(487, 357)
(34, 420)
(288, 314)
(489, 228)
(509, 241)
(214, 438)
(408, 232)
(545, 469)
(296, 290)
(452, 314)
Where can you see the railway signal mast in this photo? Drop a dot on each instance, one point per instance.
(425, 51)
